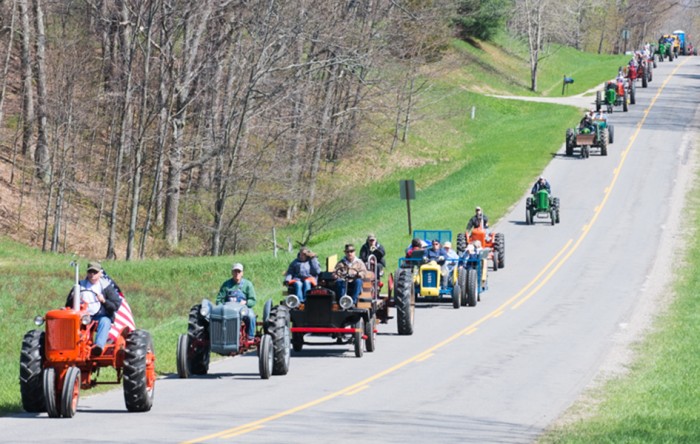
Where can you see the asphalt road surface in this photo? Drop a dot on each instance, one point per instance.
(500, 372)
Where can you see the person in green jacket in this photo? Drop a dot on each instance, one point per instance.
(239, 291)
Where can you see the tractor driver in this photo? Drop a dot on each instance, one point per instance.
(479, 219)
(541, 184)
(102, 300)
(586, 123)
(242, 292)
(353, 270)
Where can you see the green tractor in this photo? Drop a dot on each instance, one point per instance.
(615, 94)
(542, 205)
(585, 138)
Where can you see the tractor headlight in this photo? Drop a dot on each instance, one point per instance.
(244, 312)
(292, 301)
(205, 308)
(85, 319)
(345, 302)
(39, 321)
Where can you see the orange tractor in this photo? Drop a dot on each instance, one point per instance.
(55, 364)
(495, 242)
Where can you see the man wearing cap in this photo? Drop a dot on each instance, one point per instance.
(353, 270)
(478, 220)
(242, 290)
(372, 246)
(102, 301)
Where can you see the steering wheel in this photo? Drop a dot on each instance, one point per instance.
(347, 273)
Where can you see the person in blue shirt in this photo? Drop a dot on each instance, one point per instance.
(302, 273)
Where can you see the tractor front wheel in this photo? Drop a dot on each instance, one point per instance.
(499, 244)
(199, 352)
(71, 392)
(297, 341)
(371, 340)
(265, 357)
(456, 296)
(30, 378)
(357, 339)
(183, 361)
(462, 279)
(49, 380)
(139, 371)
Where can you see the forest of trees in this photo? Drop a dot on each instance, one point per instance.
(214, 120)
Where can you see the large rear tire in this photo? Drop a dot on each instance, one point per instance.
(644, 79)
(625, 106)
(611, 134)
(71, 392)
(265, 357)
(499, 244)
(462, 279)
(472, 287)
(404, 301)
(495, 260)
(199, 351)
(570, 141)
(461, 243)
(555, 201)
(50, 393)
(30, 378)
(604, 142)
(278, 328)
(139, 379)
(633, 94)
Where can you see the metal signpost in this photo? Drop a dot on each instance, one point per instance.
(407, 189)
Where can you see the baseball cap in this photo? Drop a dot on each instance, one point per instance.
(371, 236)
(237, 266)
(94, 266)
(477, 209)
(447, 244)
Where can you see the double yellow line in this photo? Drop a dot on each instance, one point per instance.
(516, 301)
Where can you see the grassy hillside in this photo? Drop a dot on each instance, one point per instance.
(456, 162)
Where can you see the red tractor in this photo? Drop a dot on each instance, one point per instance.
(55, 364)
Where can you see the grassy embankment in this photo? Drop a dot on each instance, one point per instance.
(456, 163)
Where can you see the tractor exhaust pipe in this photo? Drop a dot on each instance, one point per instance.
(76, 286)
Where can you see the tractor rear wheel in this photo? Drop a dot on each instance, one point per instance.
(462, 279)
(198, 333)
(472, 283)
(495, 260)
(461, 243)
(499, 244)
(30, 380)
(604, 142)
(555, 203)
(625, 107)
(278, 327)
(644, 79)
(357, 339)
(633, 90)
(553, 216)
(570, 141)
(404, 301)
(139, 371)
(611, 134)
(265, 356)
(71, 392)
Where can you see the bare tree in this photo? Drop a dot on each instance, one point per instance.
(28, 89)
(41, 154)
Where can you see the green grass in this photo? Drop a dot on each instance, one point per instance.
(657, 402)
(503, 67)
(457, 163)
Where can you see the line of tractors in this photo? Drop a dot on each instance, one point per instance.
(55, 364)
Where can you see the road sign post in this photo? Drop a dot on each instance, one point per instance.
(407, 190)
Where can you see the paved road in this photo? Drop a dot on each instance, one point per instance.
(497, 373)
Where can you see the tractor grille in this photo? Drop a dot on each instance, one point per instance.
(429, 278)
(61, 334)
(318, 309)
(224, 332)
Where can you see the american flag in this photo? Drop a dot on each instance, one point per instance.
(122, 318)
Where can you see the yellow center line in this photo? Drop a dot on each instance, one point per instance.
(535, 284)
(357, 390)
